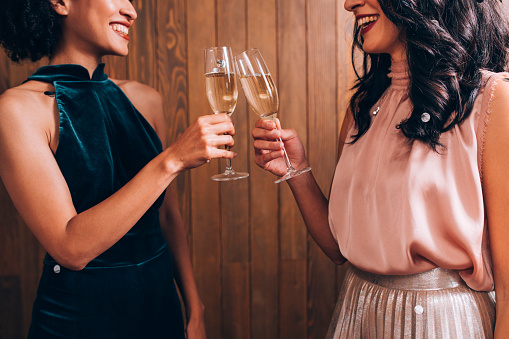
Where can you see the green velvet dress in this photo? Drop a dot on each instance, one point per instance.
(128, 291)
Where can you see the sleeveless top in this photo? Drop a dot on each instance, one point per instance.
(399, 208)
(103, 143)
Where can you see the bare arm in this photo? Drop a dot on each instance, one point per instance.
(496, 197)
(312, 203)
(39, 191)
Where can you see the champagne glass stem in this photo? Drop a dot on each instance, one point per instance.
(288, 163)
(229, 168)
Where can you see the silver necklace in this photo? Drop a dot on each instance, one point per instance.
(425, 117)
(380, 101)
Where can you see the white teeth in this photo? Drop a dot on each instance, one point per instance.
(120, 28)
(367, 20)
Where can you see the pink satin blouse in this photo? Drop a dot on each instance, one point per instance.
(401, 208)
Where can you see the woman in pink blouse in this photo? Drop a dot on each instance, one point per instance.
(419, 202)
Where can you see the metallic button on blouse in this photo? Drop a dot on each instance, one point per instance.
(56, 269)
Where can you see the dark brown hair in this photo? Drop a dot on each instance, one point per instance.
(448, 42)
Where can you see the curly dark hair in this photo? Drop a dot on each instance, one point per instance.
(447, 42)
(29, 29)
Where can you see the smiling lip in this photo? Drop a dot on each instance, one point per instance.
(122, 29)
(370, 25)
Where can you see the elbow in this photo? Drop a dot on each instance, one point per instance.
(339, 261)
(334, 254)
(336, 257)
(72, 264)
(71, 260)
(75, 266)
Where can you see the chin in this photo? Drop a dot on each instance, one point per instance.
(372, 49)
(119, 52)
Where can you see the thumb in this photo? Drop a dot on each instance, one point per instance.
(278, 124)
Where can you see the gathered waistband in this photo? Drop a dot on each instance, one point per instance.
(435, 279)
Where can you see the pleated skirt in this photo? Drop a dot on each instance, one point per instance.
(432, 304)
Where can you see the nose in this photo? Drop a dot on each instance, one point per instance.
(128, 11)
(350, 5)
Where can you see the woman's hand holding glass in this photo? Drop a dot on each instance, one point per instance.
(200, 142)
(221, 88)
(269, 152)
(261, 94)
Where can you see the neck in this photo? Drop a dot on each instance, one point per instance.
(73, 56)
(398, 56)
(398, 53)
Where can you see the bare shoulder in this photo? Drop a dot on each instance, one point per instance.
(496, 150)
(26, 112)
(143, 97)
(147, 101)
(500, 106)
(24, 100)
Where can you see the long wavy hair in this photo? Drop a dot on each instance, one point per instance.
(447, 42)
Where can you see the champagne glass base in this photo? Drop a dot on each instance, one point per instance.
(292, 174)
(230, 175)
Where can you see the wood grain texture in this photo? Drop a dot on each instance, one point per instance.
(262, 34)
(11, 311)
(235, 194)
(142, 49)
(205, 206)
(293, 305)
(115, 67)
(258, 273)
(292, 52)
(323, 132)
(172, 82)
(9, 235)
(235, 283)
(4, 72)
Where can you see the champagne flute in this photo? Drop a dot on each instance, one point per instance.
(221, 88)
(261, 94)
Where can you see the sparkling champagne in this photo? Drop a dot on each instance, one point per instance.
(261, 93)
(221, 91)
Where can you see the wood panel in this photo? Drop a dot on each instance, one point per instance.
(258, 273)
(115, 67)
(11, 310)
(4, 72)
(322, 134)
(262, 34)
(172, 83)
(235, 194)
(292, 52)
(142, 49)
(205, 206)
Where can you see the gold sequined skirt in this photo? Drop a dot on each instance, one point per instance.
(432, 304)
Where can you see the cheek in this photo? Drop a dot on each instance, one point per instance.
(389, 35)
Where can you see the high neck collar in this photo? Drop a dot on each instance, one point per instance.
(399, 74)
(68, 72)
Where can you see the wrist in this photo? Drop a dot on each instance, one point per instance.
(195, 310)
(301, 179)
(171, 164)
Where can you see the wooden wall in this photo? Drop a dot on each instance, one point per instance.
(259, 273)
